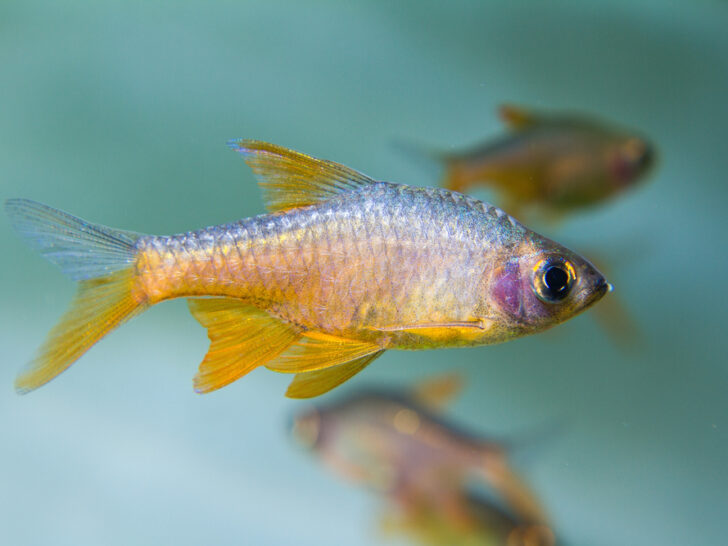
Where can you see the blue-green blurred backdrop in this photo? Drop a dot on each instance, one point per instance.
(119, 112)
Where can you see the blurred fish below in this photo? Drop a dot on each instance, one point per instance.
(425, 467)
(548, 165)
(481, 523)
(343, 268)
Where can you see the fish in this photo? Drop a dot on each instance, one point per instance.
(342, 268)
(483, 522)
(552, 163)
(397, 443)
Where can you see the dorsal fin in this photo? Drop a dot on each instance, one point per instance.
(437, 392)
(517, 117)
(291, 179)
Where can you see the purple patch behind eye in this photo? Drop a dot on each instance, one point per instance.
(507, 289)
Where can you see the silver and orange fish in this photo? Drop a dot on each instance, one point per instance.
(556, 163)
(397, 444)
(482, 522)
(343, 268)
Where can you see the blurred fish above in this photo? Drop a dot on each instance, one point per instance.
(398, 445)
(342, 268)
(554, 162)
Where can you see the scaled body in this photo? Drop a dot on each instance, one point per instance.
(363, 265)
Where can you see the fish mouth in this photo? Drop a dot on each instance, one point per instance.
(601, 287)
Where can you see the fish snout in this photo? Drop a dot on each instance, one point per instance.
(596, 286)
(634, 158)
(644, 158)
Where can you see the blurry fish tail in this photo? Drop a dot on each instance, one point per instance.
(101, 259)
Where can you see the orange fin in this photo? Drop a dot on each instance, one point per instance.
(478, 324)
(446, 331)
(437, 392)
(316, 350)
(310, 384)
(291, 179)
(101, 258)
(100, 306)
(517, 117)
(242, 338)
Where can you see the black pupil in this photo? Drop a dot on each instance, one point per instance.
(556, 279)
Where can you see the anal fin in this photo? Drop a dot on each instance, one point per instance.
(242, 337)
(310, 384)
(437, 392)
(316, 350)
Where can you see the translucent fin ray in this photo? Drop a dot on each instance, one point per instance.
(242, 338)
(81, 249)
(315, 351)
(310, 384)
(291, 179)
(101, 258)
(99, 306)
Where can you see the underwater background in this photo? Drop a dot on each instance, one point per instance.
(119, 112)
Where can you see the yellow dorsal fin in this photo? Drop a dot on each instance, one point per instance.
(242, 338)
(316, 350)
(437, 392)
(291, 179)
(310, 384)
(517, 117)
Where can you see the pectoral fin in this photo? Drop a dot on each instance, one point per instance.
(242, 338)
(316, 351)
(437, 392)
(310, 384)
(465, 331)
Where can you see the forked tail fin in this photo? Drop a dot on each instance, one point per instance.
(101, 259)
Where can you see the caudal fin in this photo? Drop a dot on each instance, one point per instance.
(101, 259)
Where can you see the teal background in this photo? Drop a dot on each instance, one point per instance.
(119, 112)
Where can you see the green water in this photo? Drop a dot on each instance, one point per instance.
(119, 112)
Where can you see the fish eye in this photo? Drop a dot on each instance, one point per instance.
(553, 279)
